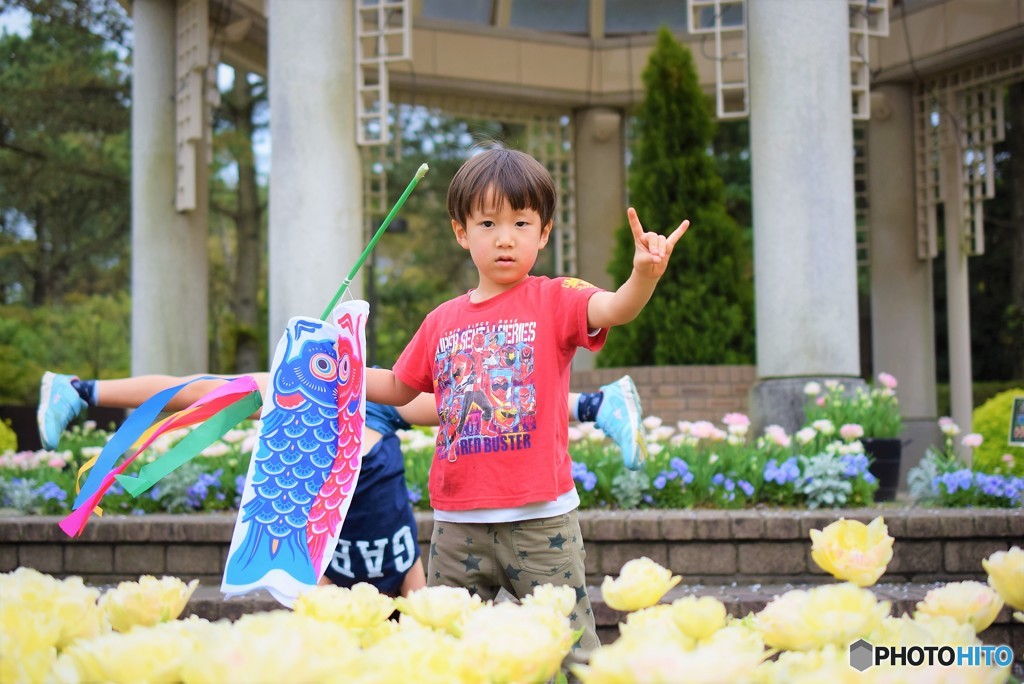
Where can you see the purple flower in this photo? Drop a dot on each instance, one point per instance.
(783, 473)
(582, 474)
(748, 489)
(660, 481)
(413, 494)
(855, 464)
(679, 466)
(50, 491)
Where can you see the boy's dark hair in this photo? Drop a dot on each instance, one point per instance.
(516, 178)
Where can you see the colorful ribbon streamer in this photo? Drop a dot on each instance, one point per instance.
(135, 434)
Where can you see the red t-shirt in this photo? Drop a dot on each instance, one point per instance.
(499, 371)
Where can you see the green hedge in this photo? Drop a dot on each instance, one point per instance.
(992, 421)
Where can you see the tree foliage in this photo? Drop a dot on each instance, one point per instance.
(238, 230)
(702, 310)
(83, 335)
(64, 154)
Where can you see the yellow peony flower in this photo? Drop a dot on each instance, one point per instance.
(360, 607)
(655, 625)
(371, 635)
(852, 551)
(971, 603)
(275, 646)
(699, 618)
(424, 657)
(145, 654)
(68, 602)
(641, 583)
(561, 598)
(147, 602)
(829, 664)
(1006, 575)
(27, 642)
(438, 607)
(832, 614)
(732, 660)
(923, 630)
(506, 642)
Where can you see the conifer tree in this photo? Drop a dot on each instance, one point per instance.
(702, 310)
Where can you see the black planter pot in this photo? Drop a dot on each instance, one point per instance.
(885, 464)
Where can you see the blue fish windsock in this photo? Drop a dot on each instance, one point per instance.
(306, 459)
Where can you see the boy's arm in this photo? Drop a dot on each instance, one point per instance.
(650, 260)
(384, 387)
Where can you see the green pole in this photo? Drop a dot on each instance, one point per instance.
(422, 171)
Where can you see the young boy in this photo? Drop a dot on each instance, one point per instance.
(378, 542)
(497, 360)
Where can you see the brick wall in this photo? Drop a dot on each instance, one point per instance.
(675, 393)
(704, 546)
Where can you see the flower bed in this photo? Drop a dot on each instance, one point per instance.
(691, 465)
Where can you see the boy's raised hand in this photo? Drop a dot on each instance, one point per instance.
(652, 249)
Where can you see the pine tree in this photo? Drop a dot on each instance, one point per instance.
(702, 310)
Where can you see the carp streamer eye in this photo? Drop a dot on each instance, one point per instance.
(323, 366)
(344, 369)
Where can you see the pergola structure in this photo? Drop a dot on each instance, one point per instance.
(920, 77)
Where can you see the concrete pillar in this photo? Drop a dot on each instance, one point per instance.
(169, 257)
(801, 140)
(903, 326)
(600, 197)
(316, 225)
(958, 309)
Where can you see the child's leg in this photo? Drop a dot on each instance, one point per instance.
(132, 392)
(415, 579)
(484, 557)
(616, 410)
(62, 397)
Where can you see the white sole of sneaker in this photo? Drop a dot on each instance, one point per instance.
(45, 388)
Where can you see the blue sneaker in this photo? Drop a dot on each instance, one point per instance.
(59, 403)
(619, 417)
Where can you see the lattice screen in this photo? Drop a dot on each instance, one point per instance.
(383, 31)
(548, 134)
(971, 101)
(860, 191)
(192, 57)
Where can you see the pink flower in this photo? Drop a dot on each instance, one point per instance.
(851, 431)
(972, 440)
(887, 380)
(56, 462)
(736, 419)
(777, 435)
(820, 401)
(1008, 459)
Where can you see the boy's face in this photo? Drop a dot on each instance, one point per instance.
(503, 242)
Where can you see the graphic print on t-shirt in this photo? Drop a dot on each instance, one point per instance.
(484, 380)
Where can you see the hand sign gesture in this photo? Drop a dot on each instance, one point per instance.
(652, 249)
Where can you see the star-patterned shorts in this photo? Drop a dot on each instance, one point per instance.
(517, 556)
